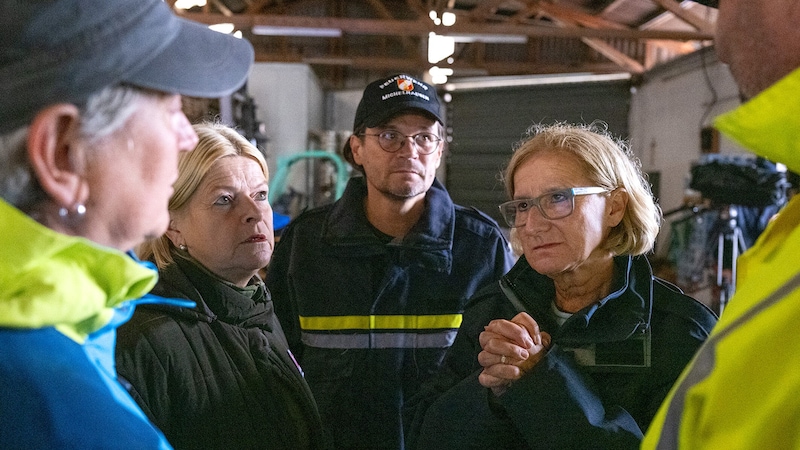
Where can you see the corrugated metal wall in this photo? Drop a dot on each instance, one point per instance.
(484, 124)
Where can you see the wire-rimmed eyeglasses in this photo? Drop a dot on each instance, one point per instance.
(553, 205)
(392, 140)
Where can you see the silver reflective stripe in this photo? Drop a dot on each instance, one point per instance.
(439, 339)
(704, 364)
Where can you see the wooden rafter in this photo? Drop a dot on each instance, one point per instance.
(625, 32)
(571, 18)
(687, 16)
(485, 9)
(381, 10)
(488, 67)
(424, 26)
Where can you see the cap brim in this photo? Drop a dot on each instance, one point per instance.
(66, 51)
(184, 65)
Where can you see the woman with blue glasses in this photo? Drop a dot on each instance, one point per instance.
(579, 343)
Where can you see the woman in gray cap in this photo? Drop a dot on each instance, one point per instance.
(90, 131)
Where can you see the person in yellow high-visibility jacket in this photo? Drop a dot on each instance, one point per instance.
(742, 389)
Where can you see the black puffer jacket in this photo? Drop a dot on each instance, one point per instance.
(219, 375)
(608, 369)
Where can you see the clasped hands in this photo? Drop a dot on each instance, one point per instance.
(510, 349)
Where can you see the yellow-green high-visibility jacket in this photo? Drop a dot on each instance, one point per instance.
(61, 301)
(742, 389)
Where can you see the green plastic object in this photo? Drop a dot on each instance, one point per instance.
(278, 183)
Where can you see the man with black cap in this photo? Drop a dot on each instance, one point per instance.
(741, 389)
(91, 127)
(370, 289)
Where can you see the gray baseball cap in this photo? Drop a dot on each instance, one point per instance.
(54, 51)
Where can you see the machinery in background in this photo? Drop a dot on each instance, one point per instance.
(321, 170)
(739, 195)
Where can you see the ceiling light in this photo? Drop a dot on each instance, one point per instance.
(265, 30)
(188, 4)
(435, 17)
(224, 28)
(490, 38)
(439, 47)
(533, 80)
(448, 19)
(439, 75)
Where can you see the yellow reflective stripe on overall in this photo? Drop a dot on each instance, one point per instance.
(380, 331)
(373, 322)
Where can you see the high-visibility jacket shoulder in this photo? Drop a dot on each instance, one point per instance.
(741, 390)
(61, 301)
(371, 318)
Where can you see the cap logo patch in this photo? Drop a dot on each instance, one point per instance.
(405, 84)
(392, 95)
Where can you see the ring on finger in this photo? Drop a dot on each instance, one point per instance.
(503, 359)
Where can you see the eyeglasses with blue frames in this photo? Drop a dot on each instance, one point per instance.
(553, 205)
(392, 140)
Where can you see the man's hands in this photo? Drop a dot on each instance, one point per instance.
(510, 349)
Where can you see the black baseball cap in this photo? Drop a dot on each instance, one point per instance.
(55, 51)
(386, 97)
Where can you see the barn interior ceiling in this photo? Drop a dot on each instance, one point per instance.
(351, 42)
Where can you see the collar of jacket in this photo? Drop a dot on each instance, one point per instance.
(215, 300)
(625, 311)
(348, 230)
(769, 124)
(51, 279)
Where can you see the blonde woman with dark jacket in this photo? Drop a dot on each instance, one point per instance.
(220, 374)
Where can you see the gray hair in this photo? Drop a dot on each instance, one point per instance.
(104, 113)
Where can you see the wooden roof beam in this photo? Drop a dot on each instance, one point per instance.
(424, 26)
(568, 18)
(687, 16)
(418, 64)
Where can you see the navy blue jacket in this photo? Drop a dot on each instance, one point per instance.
(609, 367)
(371, 317)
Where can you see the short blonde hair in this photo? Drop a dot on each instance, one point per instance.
(609, 163)
(215, 141)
